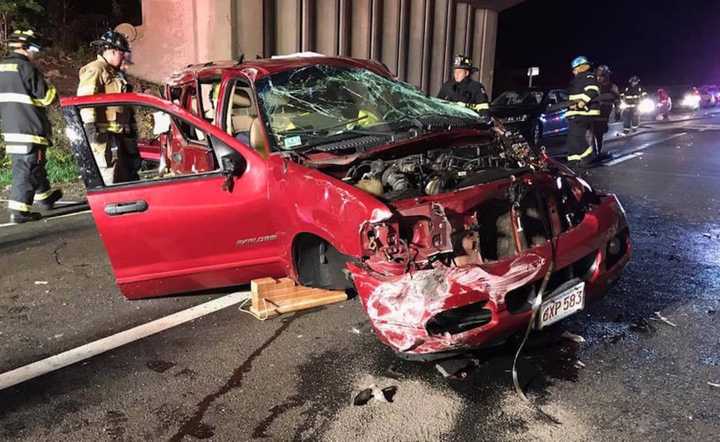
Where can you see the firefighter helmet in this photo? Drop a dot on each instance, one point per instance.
(24, 39)
(112, 40)
(463, 62)
(603, 70)
(579, 61)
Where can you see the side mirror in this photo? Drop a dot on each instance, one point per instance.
(233, 166)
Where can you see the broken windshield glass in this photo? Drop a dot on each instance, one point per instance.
(306, 105)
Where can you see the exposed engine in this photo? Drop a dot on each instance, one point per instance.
(441, 170)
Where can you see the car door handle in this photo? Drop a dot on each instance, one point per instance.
(129, 207)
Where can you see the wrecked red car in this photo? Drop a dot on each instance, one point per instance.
(330, 171)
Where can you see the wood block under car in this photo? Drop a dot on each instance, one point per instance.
(272, 297)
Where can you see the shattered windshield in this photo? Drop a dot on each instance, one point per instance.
(320, 103)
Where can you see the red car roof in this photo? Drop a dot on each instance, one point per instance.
(268, 66)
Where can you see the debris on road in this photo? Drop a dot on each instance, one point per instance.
(665, 320)
(41, 283)
(572, 337)
(713, 384)
(579, 364)
(374, 392)
(707, 235)
(456, 368)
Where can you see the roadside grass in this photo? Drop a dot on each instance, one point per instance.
(61, 166)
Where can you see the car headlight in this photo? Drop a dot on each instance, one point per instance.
(646, 106)
(691, 100)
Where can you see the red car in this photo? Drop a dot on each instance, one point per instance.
(330, 171)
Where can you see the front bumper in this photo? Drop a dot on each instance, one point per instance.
(404, 310)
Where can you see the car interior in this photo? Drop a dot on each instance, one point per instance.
(242, 119)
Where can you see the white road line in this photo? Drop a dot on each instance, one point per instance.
(61, 202)
(622, 159)
(653, 143)
(50, 218)
(61, 360)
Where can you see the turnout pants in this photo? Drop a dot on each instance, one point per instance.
(29, 179)
(580, 142)
(631, 119)
(600, 128)
(117, 157)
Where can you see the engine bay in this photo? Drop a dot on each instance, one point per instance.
(441, 170)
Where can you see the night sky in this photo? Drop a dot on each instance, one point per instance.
(665, 42)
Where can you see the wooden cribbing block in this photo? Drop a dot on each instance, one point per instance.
(271, 297)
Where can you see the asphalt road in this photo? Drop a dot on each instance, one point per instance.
(227, 376)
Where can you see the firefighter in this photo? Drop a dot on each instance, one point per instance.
(632, 96)
(110, 129)
(609, 98)
(24, 98)
(465, 91)
(584, 109)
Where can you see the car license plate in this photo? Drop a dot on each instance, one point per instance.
(561, 306)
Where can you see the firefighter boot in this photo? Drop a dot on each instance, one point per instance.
(18, 217)
(49, 199)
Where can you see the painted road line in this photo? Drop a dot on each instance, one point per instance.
(622, 159)
(653, 143)
(61, 360)
(61, 202)
(48, 218)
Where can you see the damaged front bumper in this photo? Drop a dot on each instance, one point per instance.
(442, 309)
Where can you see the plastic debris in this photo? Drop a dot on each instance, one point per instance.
(41, 283)
(386, 394)
(707, 235)
(713, 384)
(572, 337)
(665, 320)
(579, 364)
(456, 368)
(356, 331)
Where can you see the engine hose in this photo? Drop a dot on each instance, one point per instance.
(537, 302)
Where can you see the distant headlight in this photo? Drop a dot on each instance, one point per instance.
(691, 100)
(646, 106)
(516, 119)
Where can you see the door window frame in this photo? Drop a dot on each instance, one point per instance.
(92, 177)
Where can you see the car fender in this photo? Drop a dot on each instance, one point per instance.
(309, 201)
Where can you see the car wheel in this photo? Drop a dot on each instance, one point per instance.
(318, 264)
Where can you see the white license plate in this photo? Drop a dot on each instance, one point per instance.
(561, 306)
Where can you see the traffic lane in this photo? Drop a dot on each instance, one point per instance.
(260, 379)
(679, 177)
(646, 378)
(57, 291)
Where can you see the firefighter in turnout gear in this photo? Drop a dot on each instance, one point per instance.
(609, 98)
(24, 98)
(110, 128)
(632, 96)
(584, 109)
(465, 91)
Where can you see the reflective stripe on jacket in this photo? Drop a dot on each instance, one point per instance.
(24, 96)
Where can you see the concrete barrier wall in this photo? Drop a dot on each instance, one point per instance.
(416, 39)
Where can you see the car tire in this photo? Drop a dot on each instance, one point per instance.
(320, 265)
